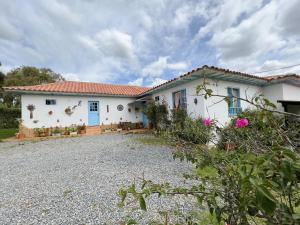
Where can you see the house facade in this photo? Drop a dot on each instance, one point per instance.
(67, 103)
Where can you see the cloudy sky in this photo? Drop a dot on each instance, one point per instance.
(145, 42)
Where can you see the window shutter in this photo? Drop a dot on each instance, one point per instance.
(229, 91)
(173, 96)
(183, 99)
(239, 100)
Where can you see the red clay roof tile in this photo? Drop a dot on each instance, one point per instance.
(83, 88)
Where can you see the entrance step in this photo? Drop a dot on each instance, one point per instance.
(93, 130)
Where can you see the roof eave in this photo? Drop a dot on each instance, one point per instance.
(20, 92)
(209, 74)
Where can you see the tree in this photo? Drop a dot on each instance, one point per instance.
(27, 76)
(2, 76)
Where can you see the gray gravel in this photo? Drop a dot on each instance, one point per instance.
(75, 180)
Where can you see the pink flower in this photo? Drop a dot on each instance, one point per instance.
(240, 123)
(208, 122)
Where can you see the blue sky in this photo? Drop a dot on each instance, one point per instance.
(148, 42)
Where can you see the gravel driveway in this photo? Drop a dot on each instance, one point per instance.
(75, 180)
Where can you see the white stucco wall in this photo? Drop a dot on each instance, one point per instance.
(209, 108)
(193, 110)
(80, 114)
(291, 92)
(285, 92)
(274, 93)
(219, 110)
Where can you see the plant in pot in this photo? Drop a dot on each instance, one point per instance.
(31, 108)
(73, 130)
(40, 132)
(68, 111)
(81, 129)
(56, 132)
(66, 131)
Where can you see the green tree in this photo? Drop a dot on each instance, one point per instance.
(27, 76)
(2, 76)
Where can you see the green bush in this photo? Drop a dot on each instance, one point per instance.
(263, 131)
(192, 131)
(9, 117)
(178, 118)
(157, 115)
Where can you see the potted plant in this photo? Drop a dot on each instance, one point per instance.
(66, 131)
(56, 132)
(73, 130)
(68, 111)
(31, 108)
(40, 132)
(81, 129)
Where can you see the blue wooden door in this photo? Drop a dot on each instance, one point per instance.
(145, 121)
(93, 109)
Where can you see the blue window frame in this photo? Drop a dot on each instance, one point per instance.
(234, 103)
(179, 99)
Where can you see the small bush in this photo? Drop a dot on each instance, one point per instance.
(192, 131)
(263, 131)
(157, 115)
(9, 117)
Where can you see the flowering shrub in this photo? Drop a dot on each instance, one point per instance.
(208, 122)
(240, 123)
(256, 183)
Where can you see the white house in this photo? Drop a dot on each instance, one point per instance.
(66, 103)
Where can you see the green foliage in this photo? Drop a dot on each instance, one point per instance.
(9, 117)
(256, 182)
(7, 133)
(2, 76)
(264, 130)
(178, 118)
(157, 115)
(26, 76)
(191, 131)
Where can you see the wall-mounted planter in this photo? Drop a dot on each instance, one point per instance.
(68, 111)
(31, 108)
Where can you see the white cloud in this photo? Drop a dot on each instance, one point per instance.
(115, 43)
(157, 81)
(137, 82)
(124, 41)
(157, 68)
(255, 35)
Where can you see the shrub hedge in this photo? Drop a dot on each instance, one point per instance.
(9, 117)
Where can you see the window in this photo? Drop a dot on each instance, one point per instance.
(50, 102)
(107, 108)
(94, 107)
(179, 100)
(120, 107)
(235, 102)
(156, 98)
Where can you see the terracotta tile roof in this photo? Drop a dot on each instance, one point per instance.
(224, 71)
(210, 68)
(283, 76)
(83, 88)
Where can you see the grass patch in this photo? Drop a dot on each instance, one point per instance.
(152, 140)
(7, 133)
